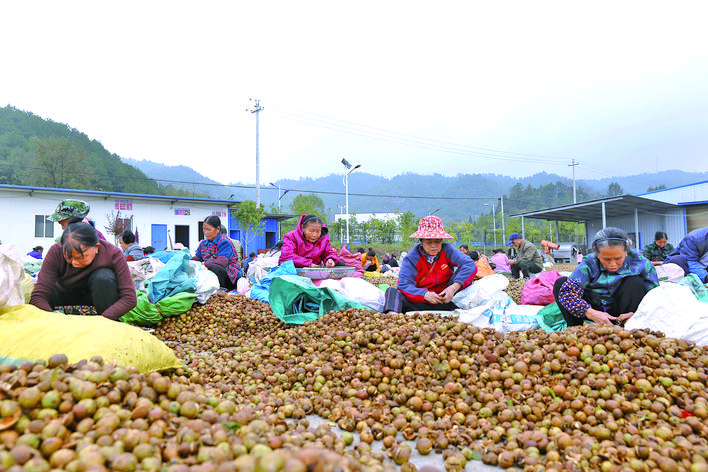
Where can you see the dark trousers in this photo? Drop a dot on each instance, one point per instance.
(101, 293)
(626, 299)
(396, 301)
(223, 276)
(524, 267)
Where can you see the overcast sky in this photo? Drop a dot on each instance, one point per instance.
(428, 87)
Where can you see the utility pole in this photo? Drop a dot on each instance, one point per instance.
(257, 108)
(341, 228)
(502, 218)
(573, 164)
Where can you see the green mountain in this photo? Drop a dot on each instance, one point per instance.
(36, 151)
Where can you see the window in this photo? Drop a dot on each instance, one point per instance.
(125, 223)
(43, 226)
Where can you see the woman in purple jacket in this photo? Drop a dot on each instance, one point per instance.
(308, 244)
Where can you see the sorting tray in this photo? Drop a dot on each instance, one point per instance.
(319, 273)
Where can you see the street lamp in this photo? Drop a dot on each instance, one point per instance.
(494, 220)
(349, 169)
(280, 197)
(434, 211)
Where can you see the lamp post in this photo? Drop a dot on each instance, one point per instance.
(494, 220)
(349, 169)
(280, 197)
(434, 211)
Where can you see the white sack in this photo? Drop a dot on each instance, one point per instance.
(480, 292)
(674, 310)
(669, 272)
(358, 290)
(207, 282)
(12, 273)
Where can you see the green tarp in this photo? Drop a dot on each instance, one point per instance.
(148, 314)
(296, 299)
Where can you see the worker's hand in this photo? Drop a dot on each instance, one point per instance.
(315, 266)
(624, 317)
(658, 263)
(599, 316)
(433, 298)
(447, 294)
(329, 263)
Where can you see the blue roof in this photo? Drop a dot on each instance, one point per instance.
(117, 194)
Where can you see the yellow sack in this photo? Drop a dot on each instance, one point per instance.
(28, 333)
(27, 287)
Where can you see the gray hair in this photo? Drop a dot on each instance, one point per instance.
(609, 237)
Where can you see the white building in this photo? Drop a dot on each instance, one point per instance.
(157, 220)
(364, 217)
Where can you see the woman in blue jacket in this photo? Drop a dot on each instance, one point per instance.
(692, 254)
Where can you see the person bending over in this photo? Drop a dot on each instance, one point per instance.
(82, 269)
(608, 285)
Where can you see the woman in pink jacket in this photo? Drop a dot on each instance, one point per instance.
(308, 244)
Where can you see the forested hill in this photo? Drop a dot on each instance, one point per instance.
(35, 151)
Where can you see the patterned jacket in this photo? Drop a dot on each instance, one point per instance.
(592, 286)
(221, 252)
(304, 253)
(417, 276)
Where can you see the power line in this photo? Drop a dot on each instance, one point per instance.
(417, 142)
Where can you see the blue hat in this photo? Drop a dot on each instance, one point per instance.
(513, 236)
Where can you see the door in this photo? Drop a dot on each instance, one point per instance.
(182, 234)
(158, 237)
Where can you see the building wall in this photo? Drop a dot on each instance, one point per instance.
(693, 193)
(151, 217)
(672, 222)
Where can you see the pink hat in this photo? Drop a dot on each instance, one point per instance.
(430, 227)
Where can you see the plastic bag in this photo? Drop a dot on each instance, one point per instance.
(12, 273)
(480, 292)
(172, 278)
(296, 300)
(351, 260)
(697, 287)
(149, 314)
(506, 316)
(243, 286)
(674, 310)
(539, 290)
(206, 281)
(669, 272)
(551, 319)
(358, 290)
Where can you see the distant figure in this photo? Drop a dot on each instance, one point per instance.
(501, 261)
(237, 244)
(659, 250)
(370, 262)
(464, 249)
(483, 267)
(73, 211)
(36, 252)
(527, 260)
(308, 244)
(131, 250)
(392, 261)
(246, 262)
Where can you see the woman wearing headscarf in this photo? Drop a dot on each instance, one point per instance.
(431, 273)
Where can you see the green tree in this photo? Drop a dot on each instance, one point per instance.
(308, 204)
(59, 163)
(614, 189)
(658, 187)
(249, 217)
(407, 224)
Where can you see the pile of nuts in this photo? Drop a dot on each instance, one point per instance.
(589, 398)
